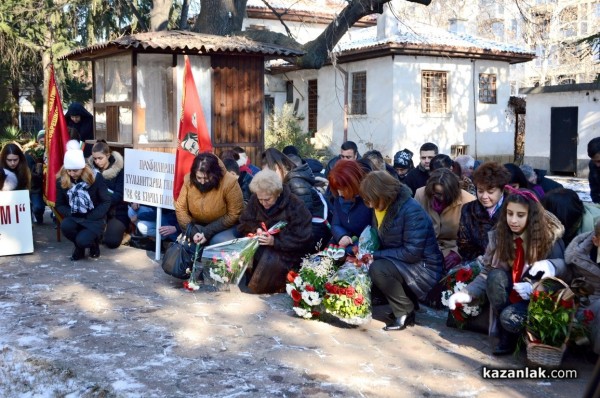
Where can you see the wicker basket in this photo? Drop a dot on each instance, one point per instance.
(544, 355)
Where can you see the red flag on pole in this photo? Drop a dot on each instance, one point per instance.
(193, 135)
(57, 137)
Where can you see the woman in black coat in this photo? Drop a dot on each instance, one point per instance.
(82, 200)
(408, 262)
(271, 202)
(110, 165)
(478, 217)
(301, 182)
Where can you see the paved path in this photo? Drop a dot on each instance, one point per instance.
(119, 326)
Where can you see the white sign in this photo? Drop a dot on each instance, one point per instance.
(16, 236)
(149, 178)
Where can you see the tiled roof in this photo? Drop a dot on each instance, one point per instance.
(424, 35)
(175, 41)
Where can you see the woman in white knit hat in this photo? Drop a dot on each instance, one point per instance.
(83, 200)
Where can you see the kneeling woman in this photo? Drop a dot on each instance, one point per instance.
(409, 262)
(271, 202)
(82, 199)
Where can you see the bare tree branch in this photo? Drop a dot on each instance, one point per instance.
(279, 16)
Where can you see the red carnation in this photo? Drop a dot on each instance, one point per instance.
(588, 316)
(316, 314)
(328, 286)
(464, 275)
(566, 303)
(296, 296)
(350, 291)
(309, 288)
(535, 295)
(359, 300)
(291, 276)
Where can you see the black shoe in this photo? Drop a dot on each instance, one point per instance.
(78, 253)
(507, 343)
(95, 250)
(401, 323)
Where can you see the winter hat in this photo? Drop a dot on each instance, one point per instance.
(40, 135)
(74, 156)
(403, 159)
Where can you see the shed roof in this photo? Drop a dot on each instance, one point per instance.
(181, 42)
(562, 88)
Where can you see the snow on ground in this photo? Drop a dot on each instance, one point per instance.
(579, 185)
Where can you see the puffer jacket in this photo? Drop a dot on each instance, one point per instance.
(579, 255)
(490, 260)
(301, 182)
(407, 239)
(114, 178)
(213, 211)
(475, 224)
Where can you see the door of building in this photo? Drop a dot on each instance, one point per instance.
(563, 140)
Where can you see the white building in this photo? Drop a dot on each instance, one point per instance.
(560, 122)
(406, 85)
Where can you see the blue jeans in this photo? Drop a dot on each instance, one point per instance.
(146, 221)
(512, 317)
(37, 206)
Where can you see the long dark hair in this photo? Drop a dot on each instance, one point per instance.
(566, 205)
(209, 164)
(22, 171)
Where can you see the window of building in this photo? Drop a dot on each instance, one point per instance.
(487, 88)
(359, 93)
(289, 91)
(434, 92)
(313, 96)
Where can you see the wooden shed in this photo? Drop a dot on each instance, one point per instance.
(137, 88)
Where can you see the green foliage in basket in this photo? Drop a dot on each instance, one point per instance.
(549, 318)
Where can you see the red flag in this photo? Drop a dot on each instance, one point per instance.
(57, 137)
(193, 135)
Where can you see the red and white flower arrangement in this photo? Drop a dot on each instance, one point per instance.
(457, 280)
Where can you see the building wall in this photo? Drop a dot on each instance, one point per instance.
(394, 119)
(537, 125)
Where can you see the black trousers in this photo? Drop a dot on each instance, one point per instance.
(388, 279)
(78, 234)
(113, 235)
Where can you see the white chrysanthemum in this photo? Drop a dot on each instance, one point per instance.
(311, 298)
(216, 277)
(298, 281)
(289, 288)
(445, 297)
(301, 312)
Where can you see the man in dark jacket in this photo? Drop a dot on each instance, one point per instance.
(546, 183)
(417, 177)
(348, 150)
(593, 150)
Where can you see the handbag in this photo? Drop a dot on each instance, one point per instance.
(179, 256)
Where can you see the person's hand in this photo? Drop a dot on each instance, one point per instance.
(266, 240)
(167, 230)
(524, 289)
(459, 297)
(545, 267)
(199, 238)
(345, 241)
(135, 206)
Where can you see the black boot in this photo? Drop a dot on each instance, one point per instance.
(78, 253)
(402, 322)
(507, 343)
(95, 250)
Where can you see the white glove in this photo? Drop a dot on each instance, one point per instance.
(459, 297)
(524, 289)
(544, 266)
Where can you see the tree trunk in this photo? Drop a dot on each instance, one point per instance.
(159, 16)
(183, 23)
(220, 17)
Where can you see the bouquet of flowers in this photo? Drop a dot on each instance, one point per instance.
(35, 150)
(307, 286)
(549, 317)
(225, 263)
(456, 280)
(368, 242)
(348, 294)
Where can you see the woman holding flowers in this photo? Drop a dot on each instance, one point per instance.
(211, 199)
(525, 245)
(270, 203)
(478, 217)
(350, 214)
(408, 263)
(582, 256)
